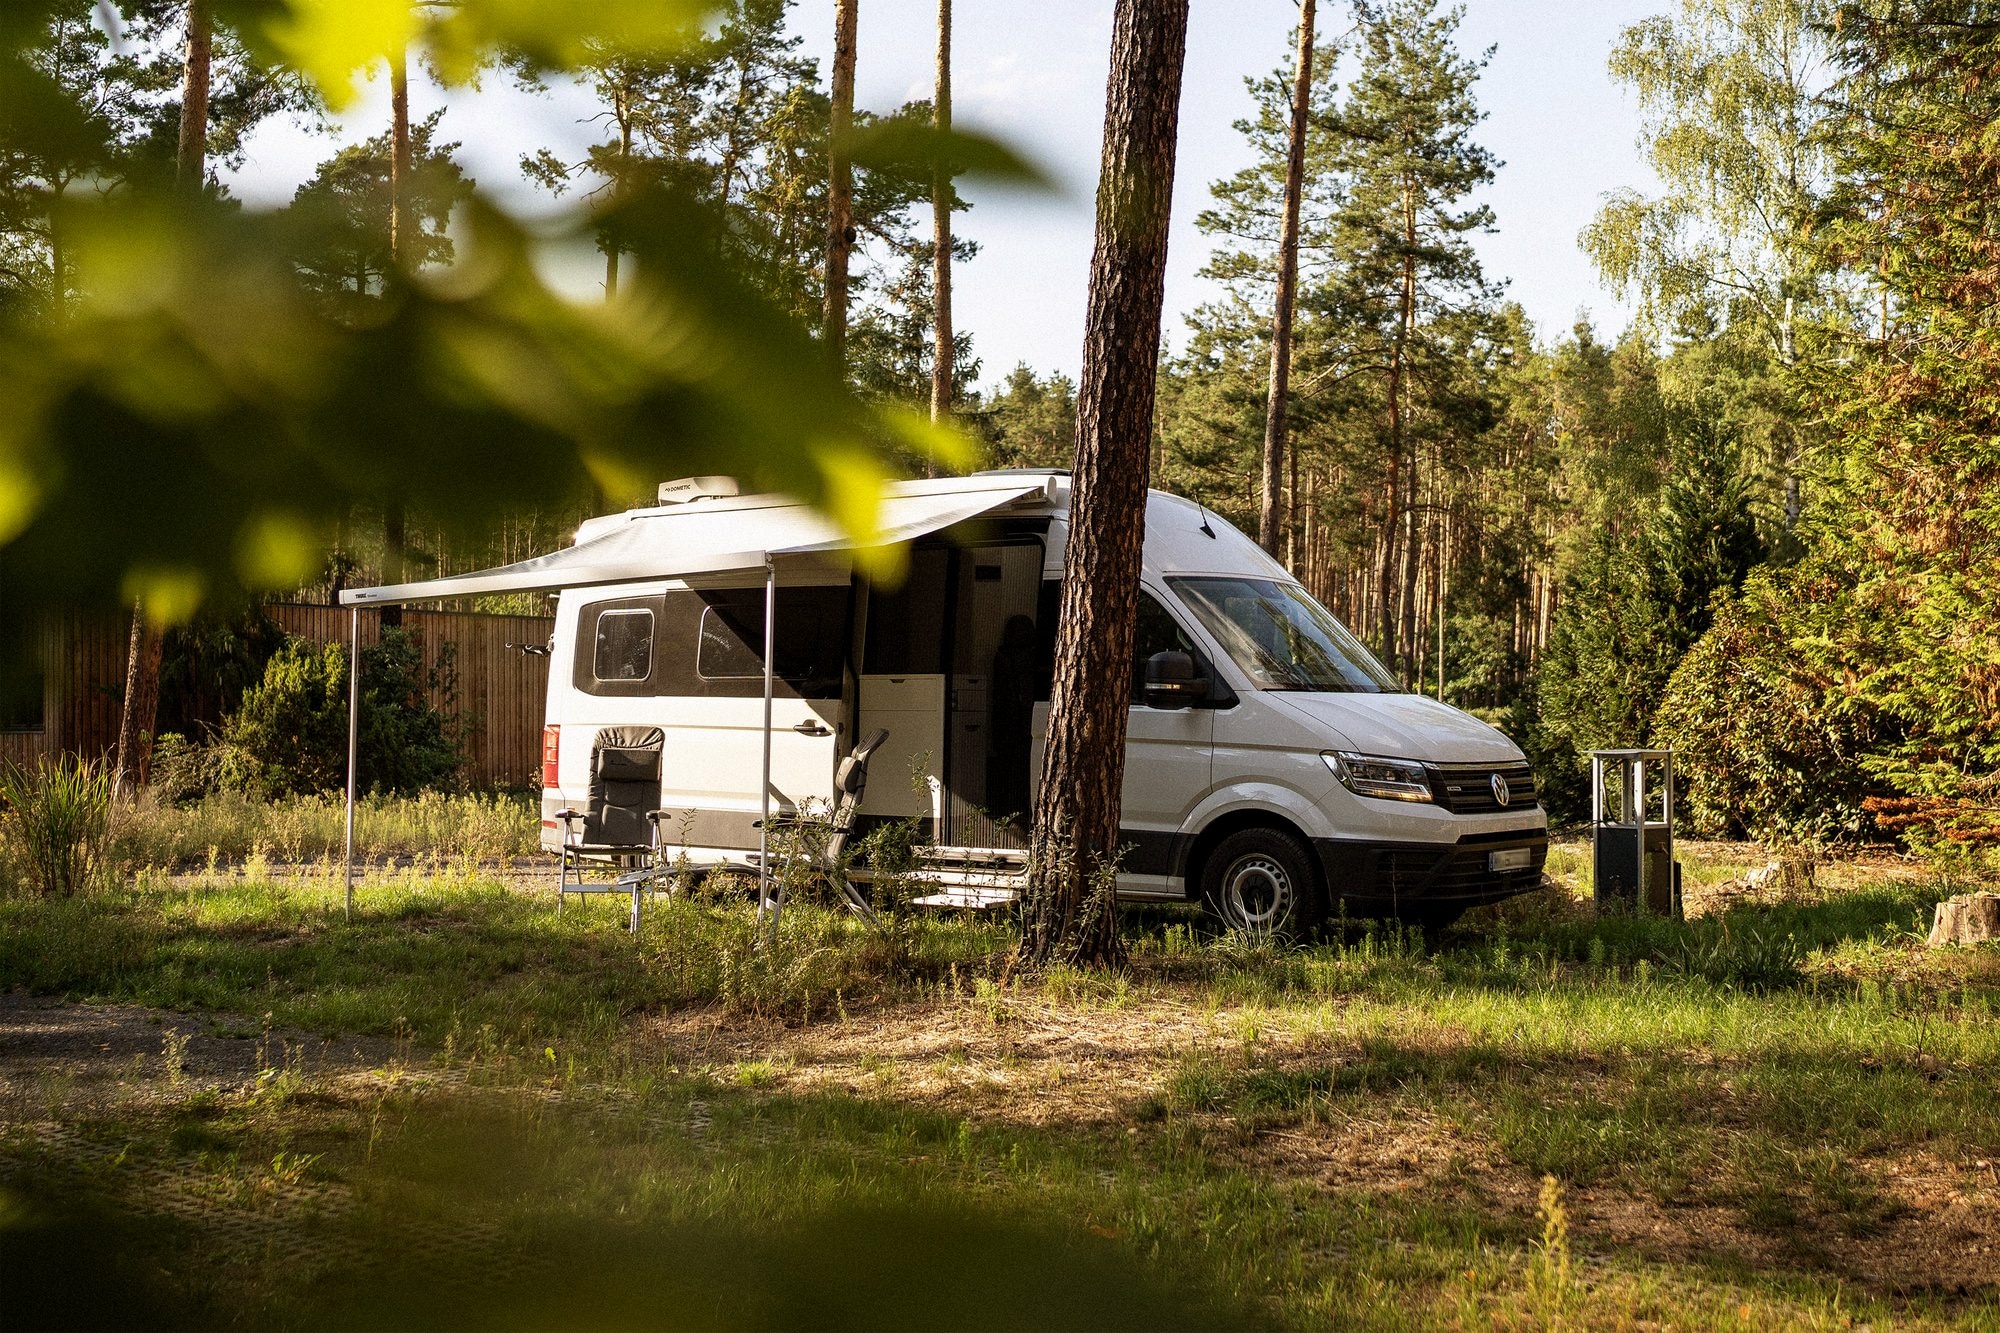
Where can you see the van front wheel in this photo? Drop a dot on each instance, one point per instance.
(1260, 882)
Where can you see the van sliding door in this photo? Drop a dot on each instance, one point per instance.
(714, 713)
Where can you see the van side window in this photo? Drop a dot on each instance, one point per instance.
(1156, 632)
(624, 649)
(812, 640)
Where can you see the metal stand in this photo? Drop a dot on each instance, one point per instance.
(1632, 832)
(764, 823)
(353, 740)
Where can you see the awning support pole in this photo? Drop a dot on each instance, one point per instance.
(764, 824)
(353, 739)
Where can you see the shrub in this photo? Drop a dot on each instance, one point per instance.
(289, 737)
(58, 823)
(1761, 742)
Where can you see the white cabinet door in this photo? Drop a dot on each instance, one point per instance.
(911, 709)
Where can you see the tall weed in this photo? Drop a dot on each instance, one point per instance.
(58, 824)
(234, 826)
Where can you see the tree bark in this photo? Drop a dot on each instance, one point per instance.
(394, 522)
(139, 714)
(623, 111)
(401, 237)
(840, 181)
(1397, 613)
(1070, 914)
(58, 264)
(1268, 522)
(399, 160)
(944, 354)
(142, 704)
(191, 162)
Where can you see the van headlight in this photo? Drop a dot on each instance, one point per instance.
(1372, 775)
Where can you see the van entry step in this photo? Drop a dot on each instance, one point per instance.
(976, 899)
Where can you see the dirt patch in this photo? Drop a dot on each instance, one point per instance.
(1018, 1060)
(1933, 1231)
(60, 1060)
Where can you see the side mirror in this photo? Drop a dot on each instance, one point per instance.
(1172, 682)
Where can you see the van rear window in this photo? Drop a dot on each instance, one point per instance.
(624, 649)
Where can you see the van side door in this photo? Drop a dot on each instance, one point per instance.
(1169, 760)
(1169, 752)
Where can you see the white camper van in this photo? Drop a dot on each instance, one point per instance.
(1274, 769)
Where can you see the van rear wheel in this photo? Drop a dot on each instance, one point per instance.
(1260, 882)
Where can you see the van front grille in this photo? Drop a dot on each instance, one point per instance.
(1469, 790)
(1457, 873)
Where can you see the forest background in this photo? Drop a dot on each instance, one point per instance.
(1760, 524)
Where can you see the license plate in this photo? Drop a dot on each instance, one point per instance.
(1513, 858)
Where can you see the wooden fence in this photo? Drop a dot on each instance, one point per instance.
(500, 689)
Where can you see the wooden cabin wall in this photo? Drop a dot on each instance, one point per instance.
(500, 689)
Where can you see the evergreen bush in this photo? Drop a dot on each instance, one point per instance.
(289, 737)
(1762, 743)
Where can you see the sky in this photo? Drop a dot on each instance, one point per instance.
(1032, 72)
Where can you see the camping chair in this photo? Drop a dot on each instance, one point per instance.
(826, 840)
(615, 824)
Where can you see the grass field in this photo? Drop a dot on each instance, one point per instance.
(1781, 1114)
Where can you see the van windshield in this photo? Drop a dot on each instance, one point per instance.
(1283, 639)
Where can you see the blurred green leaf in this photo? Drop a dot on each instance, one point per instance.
(336, 42)
(914, 147)
(200, 425)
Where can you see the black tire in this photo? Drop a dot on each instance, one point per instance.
(1261, 881)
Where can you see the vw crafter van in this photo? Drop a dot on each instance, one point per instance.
(1274, 770)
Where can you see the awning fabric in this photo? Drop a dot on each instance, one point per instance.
(717, 536)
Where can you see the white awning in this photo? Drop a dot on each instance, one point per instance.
(718, 536)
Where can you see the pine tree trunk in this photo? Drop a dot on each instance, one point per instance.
(944, 354)
(1385, 620)
(401, 236)
(140, 711)
(1275, 404)
(142, 703)
(1070, 914)
(190, 166)
(393, 521)
(611, 249)
(399, 161)
(58, 261)
(1405, 455)
(840, 181)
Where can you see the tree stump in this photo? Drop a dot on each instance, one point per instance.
(1970, 918)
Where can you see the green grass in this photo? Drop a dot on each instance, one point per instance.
(1660, 1065)
(231, 827)
(433, 956)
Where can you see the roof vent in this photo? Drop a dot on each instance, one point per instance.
(689, 489)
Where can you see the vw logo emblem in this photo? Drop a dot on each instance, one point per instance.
(1501, 795)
